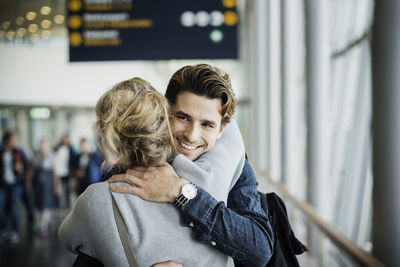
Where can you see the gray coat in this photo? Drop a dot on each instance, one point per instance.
(154, 229)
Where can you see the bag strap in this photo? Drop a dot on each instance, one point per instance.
(123, 234)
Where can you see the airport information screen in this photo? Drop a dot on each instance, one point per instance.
(152, 29)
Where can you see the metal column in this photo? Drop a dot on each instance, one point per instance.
(285, 76)
(386, 131)
(317, 76)
(260, 96)
(317, 67)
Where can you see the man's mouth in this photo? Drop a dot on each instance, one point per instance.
(187, 146)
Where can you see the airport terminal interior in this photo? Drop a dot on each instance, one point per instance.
(318, 90)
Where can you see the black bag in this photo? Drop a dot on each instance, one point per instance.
(286, 245)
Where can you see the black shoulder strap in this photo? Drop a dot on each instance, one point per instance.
(286, 245)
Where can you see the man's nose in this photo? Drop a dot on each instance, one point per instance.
(192, 133)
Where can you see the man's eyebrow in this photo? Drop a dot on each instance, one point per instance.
(181, 113)
(213, 123)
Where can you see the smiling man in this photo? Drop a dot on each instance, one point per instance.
(197, 126)
(203, 103)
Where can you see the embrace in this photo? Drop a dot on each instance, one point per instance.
(178, 176)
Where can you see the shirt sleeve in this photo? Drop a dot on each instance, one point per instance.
(241, 229)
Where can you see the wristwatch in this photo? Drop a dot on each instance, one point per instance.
(188, 192)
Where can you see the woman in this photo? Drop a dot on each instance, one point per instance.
(133, 121)
(43, 184)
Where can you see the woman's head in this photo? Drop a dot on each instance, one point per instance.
(133, 123)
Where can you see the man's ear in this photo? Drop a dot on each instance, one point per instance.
(221, 129)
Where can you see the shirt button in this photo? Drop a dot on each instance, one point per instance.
(213, 243)
(191, 224)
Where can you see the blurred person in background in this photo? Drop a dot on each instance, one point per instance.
(64, 162)
(12, 177)
(43, 180)
(88, 166)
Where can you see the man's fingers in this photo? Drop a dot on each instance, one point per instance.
(116, 178)
(128, 190)
(138, 172)
(139, 169)
(126, 178)
(162, 163)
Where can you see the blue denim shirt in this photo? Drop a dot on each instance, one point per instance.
(241, 229)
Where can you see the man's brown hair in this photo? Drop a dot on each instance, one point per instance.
(204, 80)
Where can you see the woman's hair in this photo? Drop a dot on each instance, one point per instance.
(133, 122)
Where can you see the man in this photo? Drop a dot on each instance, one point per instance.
(203, 103)
(240, 229)
(12, 178)
(87, 167)
(65, 157)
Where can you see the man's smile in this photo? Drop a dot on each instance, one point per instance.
(187, 147)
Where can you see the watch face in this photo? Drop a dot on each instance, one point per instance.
(189, 191)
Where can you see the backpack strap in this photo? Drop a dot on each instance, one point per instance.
(286, 245)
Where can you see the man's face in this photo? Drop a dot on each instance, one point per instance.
(45, 146)
(197, 124)
(84, 147)
(13, 142)
(65, 140)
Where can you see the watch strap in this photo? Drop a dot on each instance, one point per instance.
(181, 200)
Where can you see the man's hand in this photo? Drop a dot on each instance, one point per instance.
(157, 184)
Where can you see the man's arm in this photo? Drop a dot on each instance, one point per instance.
(241, 229)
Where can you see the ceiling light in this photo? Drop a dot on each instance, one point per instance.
(40, 113)
(45, 24)
(21, 32)
(33, 28)
(10, 35)
(30, 15)
(34, 37)
(46, 34)
(6, 25)
(45, 10)
(59, 19)
(20, 20)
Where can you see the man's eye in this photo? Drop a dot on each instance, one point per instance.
(182, 117)
(207, 125)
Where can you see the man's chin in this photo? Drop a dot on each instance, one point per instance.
(191, 156)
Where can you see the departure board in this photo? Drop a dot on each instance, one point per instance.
(152, 29)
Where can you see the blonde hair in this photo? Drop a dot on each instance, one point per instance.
(133, 121)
